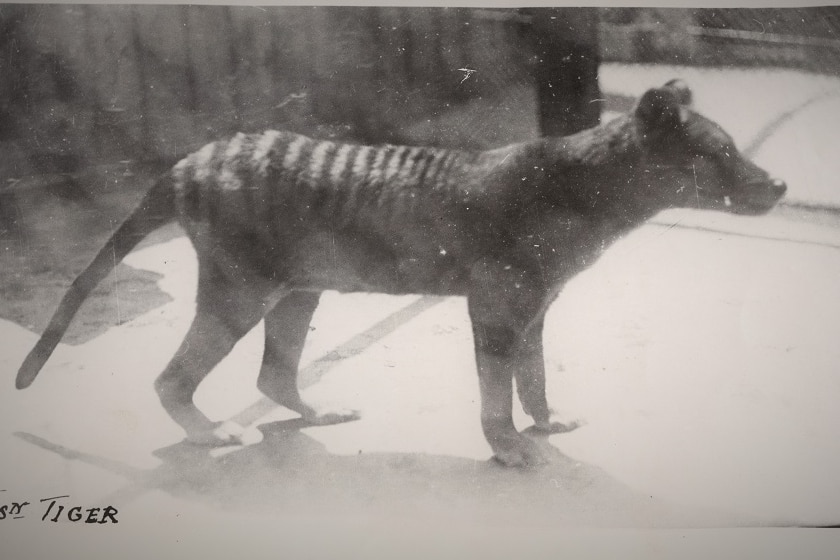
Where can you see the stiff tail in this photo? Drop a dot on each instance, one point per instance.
(156, 209)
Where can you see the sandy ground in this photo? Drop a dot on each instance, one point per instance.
(701, 352)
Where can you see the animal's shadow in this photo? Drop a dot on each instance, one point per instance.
(289, 472)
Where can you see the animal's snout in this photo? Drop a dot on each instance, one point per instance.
(779, 187)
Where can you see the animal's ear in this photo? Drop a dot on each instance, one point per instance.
(681, 90)
(659, 112)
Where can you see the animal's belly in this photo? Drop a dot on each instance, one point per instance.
(326, 261)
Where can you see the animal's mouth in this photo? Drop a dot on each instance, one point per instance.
(754, 198)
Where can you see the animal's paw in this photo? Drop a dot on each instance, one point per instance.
(325, 418)
(220, 434)
(556, 427)
(518, 451)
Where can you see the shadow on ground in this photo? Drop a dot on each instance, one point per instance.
(289, 472)
(46, 239)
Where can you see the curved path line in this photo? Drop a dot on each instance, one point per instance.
(769, 129)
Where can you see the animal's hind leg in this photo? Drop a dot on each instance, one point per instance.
(225, 312)
(286, 327)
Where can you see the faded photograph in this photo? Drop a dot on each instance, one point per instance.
(381, 267)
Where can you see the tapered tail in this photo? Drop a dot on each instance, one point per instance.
(156, 209)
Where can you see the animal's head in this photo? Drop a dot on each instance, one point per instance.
(692, 162)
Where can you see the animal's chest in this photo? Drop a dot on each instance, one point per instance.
(558, 243)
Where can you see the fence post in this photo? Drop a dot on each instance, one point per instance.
(566, 71)
(141, 62)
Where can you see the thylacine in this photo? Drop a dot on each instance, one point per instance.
(276, 218)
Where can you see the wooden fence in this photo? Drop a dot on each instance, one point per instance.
(105, 82)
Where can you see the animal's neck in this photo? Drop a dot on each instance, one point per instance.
(597, 173)
(607, 144)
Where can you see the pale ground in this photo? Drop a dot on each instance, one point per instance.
(704, 362)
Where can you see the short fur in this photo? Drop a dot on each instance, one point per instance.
(276, 218)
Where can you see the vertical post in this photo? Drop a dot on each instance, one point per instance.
(566, 46)
(407, 46)
(141, 56)
(379, 47)
(315, 35)
(234, 62)
(463, 44)
(93, 70)
(189, 65)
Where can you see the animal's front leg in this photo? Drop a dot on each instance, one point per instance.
(501, 308)
(530, 375)
(286, 327)
(496, 363)
(530, 382)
